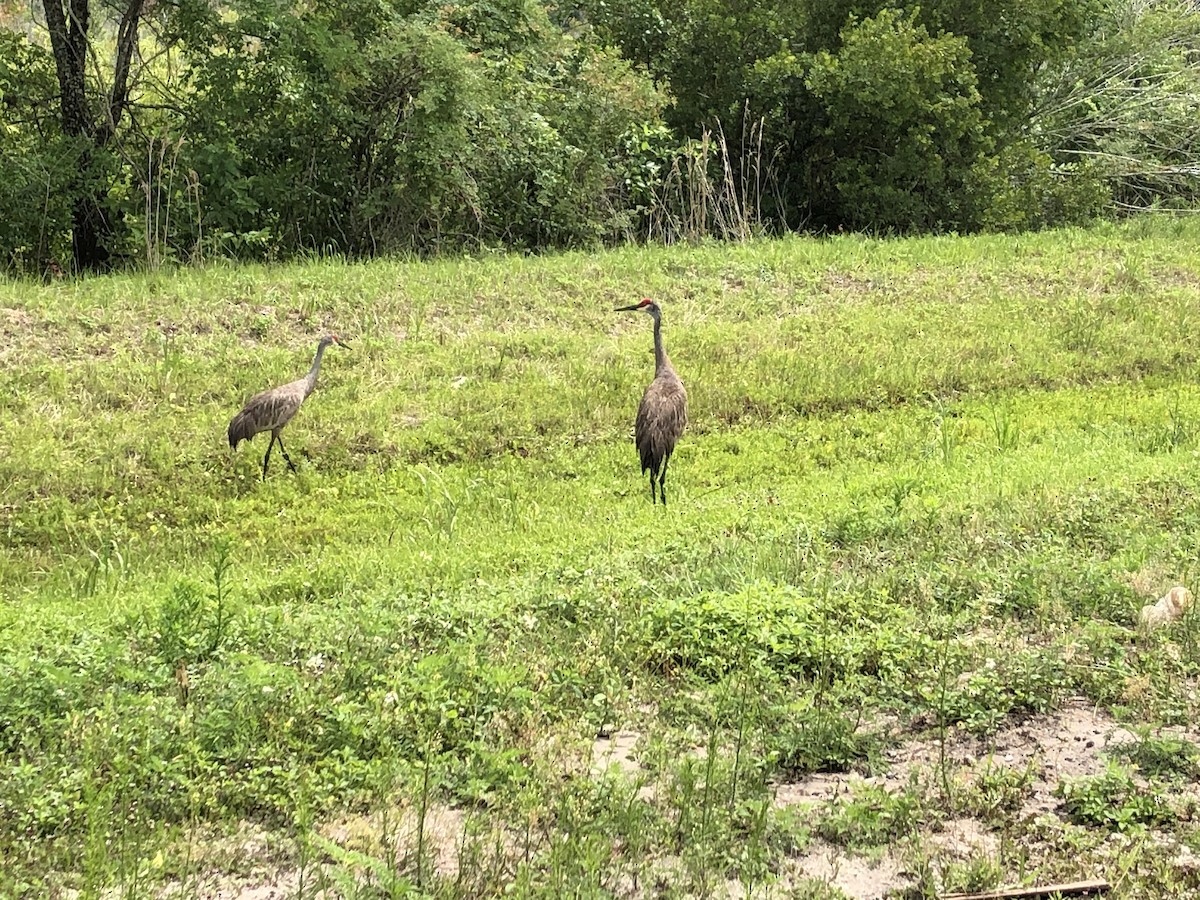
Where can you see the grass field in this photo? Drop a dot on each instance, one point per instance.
(884, 639)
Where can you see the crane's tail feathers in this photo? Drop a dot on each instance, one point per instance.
(650, 461)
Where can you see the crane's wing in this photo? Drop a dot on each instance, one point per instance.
(266, 411)
(661, 418)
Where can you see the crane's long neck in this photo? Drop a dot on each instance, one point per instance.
(660, 355)
(310, 380)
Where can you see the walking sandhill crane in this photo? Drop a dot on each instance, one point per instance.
(271, 410)
(662, 414)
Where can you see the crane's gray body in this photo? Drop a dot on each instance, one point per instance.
(271, 410)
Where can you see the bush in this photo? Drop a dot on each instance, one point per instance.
(1021, 188)
(902, 128)
(1124, 106)
(36, 163)
(362, 129)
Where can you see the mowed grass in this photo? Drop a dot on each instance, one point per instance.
(926, 488)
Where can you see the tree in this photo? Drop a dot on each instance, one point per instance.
(900, 127)
(1126, 104)
(68, 22)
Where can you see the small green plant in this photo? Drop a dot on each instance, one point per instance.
(442, 504)
(947, 433)
(871, 816)
(997, 791)
(1178, 431)
(103, 570)
(1006, 428)
(1177, 759)
(824, 738)
(980, 700)
(1113, 800)
(975, 875)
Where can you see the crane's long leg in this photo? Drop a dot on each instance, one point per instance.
(662, 481)
(653, 475)
(267, 458)
(279, 437)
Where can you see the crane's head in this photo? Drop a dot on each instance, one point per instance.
(332, 339)
(647, 305)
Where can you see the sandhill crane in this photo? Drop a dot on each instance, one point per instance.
(662, 414)
(271, 410)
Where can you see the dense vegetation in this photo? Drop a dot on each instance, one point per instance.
(134, 132)
(927, 486)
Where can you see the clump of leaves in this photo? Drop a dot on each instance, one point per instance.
(1027, 681)
(978, 873)
(1162, 757)
(1113, 800)
(871, 817)
(998, 791)
(825, 739)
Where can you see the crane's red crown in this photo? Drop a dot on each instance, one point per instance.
(646, 301)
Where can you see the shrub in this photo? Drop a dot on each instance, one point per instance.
(36, 163)
(902, 127)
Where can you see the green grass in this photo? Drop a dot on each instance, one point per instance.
(926, 488)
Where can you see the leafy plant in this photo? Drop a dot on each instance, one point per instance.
(871, 816)
(1113, 800)
(1161, 757)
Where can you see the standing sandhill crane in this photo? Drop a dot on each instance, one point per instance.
(271, 410)
(662, 414)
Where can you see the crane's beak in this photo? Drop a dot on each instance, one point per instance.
(342, 343)
(635, 306)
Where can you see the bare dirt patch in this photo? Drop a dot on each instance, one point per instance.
(847, 286)
(857, 877)
(1073, 742)
(822, 787)
(250, 864)
(441, 834)
(616, 749)
(253, 865)
(964, 837)
(1069, 743)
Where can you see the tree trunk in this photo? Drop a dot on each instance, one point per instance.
(67, 22)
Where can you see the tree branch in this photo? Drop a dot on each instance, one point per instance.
(118, 99)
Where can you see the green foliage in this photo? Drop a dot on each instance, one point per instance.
(312, 136)
(872, 116)
(926, 487)
(1122, 105)
(1113, 801)
(1015, 683)
(1010, 42)
(822, 737)
(36, 164)
(773, 628)
(476, 124)
(870, 816)
(1021, 188)
(998, 792)
(1161, 757)
(264, 129)
(901, 126)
